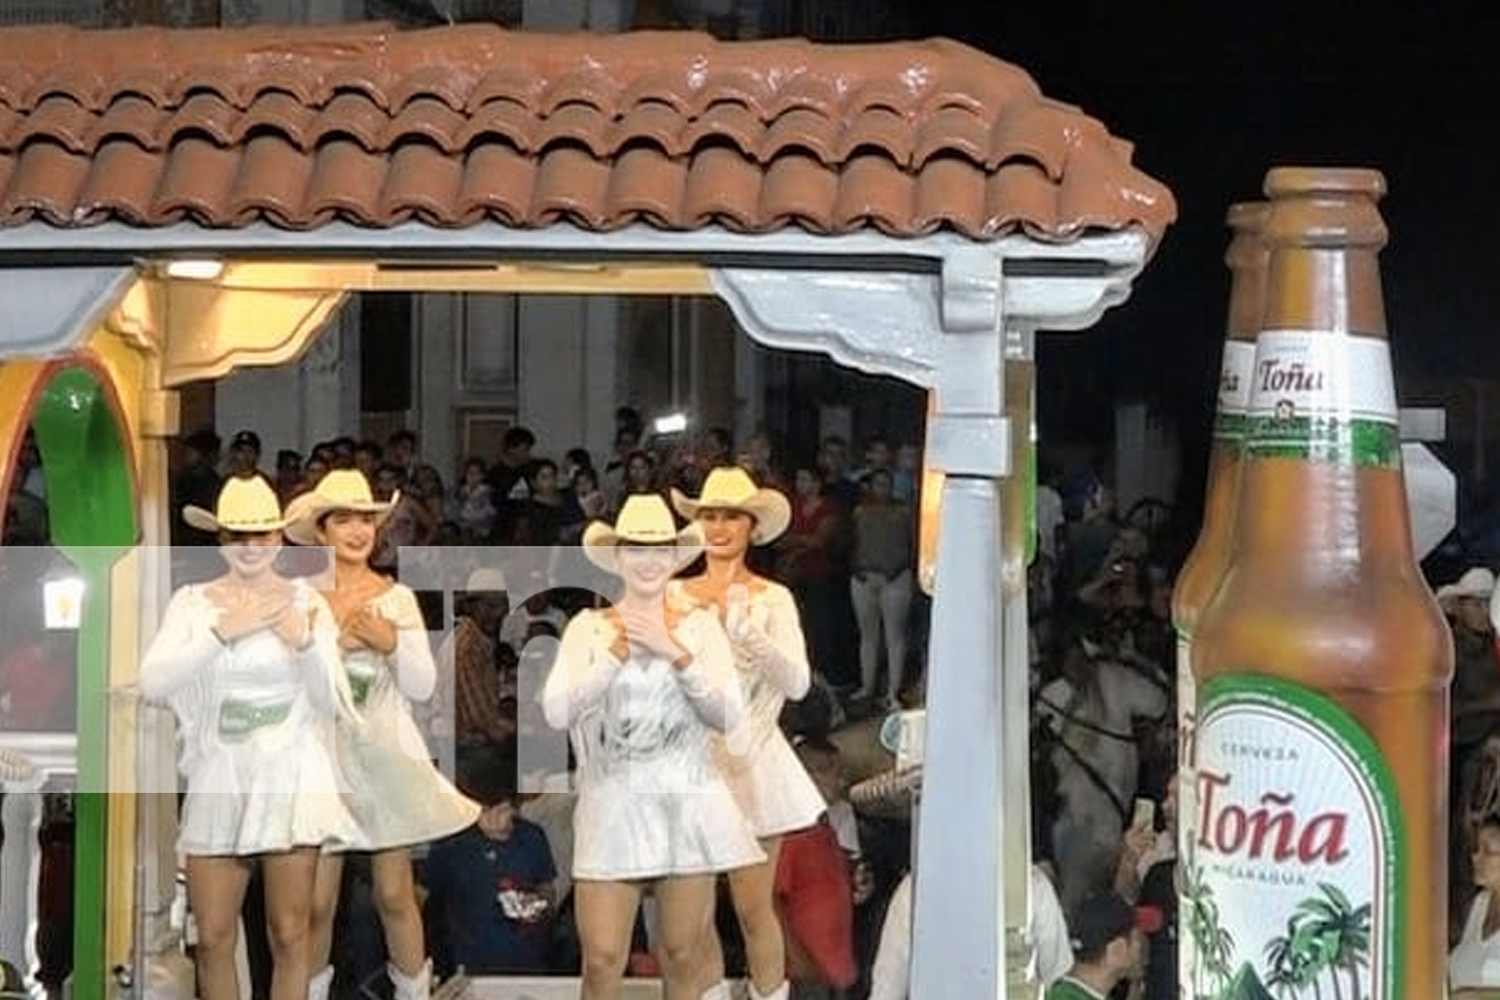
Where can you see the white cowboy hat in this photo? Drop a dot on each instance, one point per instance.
(644, 519)
(486, 578)
(1476, 582)
(248, 506)
(340, 489)
(731, 488)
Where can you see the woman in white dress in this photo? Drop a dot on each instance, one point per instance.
(769, 782)
(248, 662)
(641, 686)
(1474, 963)
(398, 798)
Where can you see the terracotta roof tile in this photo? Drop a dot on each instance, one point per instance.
(458, 126)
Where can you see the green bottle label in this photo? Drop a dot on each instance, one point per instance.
(1323, 397)
(1294, 851)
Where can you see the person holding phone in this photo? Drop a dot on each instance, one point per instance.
(1146, 877)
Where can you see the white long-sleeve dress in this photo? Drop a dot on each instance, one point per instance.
(769, 782)
(255, 725)
(652, 801)
(397, 796)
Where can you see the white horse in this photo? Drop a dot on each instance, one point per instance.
(1090, 714)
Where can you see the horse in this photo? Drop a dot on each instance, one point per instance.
(1087, 723)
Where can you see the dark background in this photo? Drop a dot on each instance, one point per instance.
(1212, 94)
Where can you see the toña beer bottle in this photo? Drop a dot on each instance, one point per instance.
(1204, 567)
(1322, 663)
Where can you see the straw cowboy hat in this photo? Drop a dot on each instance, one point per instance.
(248, 506)
(644, 519)
(1476, 582)
(340, 489)
(731, 488)
(891, 792)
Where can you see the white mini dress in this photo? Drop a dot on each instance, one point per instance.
(772, 787)
(652, 801)
(255, 730)
(398, 797)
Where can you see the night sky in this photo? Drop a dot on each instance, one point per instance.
(1212, 94)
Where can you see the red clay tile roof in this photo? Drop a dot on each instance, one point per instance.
(458, 126)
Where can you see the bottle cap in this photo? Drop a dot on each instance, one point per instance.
(1331, 207)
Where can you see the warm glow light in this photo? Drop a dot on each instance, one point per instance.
(62, 602)
(929, 519)
(197, 270)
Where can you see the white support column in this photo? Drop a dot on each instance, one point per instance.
(959, 920)
(959, 913)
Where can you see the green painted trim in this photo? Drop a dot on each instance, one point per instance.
(92, 512)
(1327, 440)
(1365, 760)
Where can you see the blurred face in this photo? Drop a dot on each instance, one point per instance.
(1487, 858)
(243, 459)
(350, 534)
(584, 481)
(386, 484)
(759, 450)
(1473, 613)
(250, 554)
(546, 479)
(727, 532)
(808, 484)
(878, 455)
(639, 473)
(835, 458)
(498, 821)
(489, 611)
(879, 486)
(314, 471)
(647, 568)
(908, 458)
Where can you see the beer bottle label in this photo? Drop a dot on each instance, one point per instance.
(1292, 866)
(1234, 392)
(1323, 397)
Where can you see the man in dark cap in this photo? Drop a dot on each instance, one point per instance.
(1108, 936)
(244, 457)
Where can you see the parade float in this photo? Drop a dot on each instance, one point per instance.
(175, 206)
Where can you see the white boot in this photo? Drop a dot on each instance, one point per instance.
(718, 991)
(781, 992)
(319, 985)
(413, 987)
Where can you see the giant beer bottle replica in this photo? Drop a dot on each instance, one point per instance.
(1316, 862)
(1204, 567)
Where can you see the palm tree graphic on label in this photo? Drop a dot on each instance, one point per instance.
(1327, 941)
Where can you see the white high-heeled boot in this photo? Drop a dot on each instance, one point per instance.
(319, 985)
(413, 987)
(781, 992)
(718, 991)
